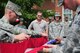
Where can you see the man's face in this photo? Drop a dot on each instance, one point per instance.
(57, 18)
(13, 16)
(70, 4)
(21, 23)
(39, 16)
(66, 19)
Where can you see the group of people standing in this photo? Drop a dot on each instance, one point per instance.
(56, 29)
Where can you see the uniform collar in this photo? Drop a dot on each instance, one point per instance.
(4, 19)
(56, 23)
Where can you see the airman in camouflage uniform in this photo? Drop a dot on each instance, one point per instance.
(56, 31)
(55, 28)
(72, 44)
(8, 31)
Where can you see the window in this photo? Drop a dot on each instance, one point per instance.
(67, 13)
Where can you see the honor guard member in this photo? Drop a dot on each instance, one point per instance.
(10, 33)
(72, 44)
(55, 28)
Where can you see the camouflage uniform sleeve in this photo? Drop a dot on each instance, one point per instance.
(73, 37)
(16, 30)
(70, 43)
(62, 31)
(51, 32)
(6, 37)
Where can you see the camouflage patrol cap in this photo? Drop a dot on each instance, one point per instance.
(60, 2)
(14, 7)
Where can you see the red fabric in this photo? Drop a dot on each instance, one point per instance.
(35, 50)
(21, 47)
(37, 42)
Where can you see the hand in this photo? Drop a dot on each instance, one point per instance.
(44, 34)
(48, 50)
(21, 37)
(58, 39)
(51, 46)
